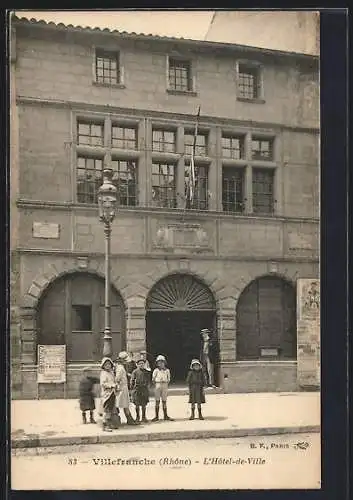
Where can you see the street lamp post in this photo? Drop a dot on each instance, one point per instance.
(107, 203)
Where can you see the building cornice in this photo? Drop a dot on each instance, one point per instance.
(172, 214)
(166, 256)
(144, 113)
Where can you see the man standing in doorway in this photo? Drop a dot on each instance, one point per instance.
(209, 354)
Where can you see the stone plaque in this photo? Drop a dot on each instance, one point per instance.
(186, 236)
(300, 241)
(46, 230)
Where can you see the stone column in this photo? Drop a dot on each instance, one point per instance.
(135, 327)
(28, 336)
(227, 336)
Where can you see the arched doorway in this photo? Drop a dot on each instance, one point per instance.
(71, 312)
(266, 320)
(178, 307)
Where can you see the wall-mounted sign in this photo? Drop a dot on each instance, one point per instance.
(47, 230)
(51, 364)
(308, 332)
(269, 352)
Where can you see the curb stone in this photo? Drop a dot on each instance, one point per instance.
(160, 436)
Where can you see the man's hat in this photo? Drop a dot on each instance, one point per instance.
(123, 355)
(205, 330)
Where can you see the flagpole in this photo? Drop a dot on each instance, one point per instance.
(192, 178)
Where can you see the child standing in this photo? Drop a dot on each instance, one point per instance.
(196, 383)
(108, 392)
(161, 379)
(140, 390)
(87, 402)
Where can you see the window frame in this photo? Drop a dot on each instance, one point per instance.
(273, 172)
(242, 170)
(90, 123)
(124, 126)
(135, 185)
(94, 157)
(197, 201)
(190, 132)
(191, 90)
(174, 187)
(120, 83)
(163, 130)
(251, 66)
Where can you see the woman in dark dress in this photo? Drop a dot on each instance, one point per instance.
(87, 402)
(196, 384)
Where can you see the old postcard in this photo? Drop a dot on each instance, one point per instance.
(165, 214)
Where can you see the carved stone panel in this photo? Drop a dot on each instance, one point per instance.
(183, 236)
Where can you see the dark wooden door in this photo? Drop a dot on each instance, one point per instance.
(266, 319)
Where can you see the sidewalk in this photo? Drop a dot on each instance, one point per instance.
(57, 422)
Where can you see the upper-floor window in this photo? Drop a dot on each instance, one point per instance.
(124, 137)
(261, 149)
(233, 189)
(163, 140)
(125, 180)
(200, 189)
(90, 133)
(164, 185)
(249, 81)
(232, 147)
(89, 178)
(107, 67)
(180, 78)
(263, 190)
(201, 143)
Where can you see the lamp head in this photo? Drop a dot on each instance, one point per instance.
(107, 197)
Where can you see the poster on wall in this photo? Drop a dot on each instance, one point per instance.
(51, 364)
(308, 332)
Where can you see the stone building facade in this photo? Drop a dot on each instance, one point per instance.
(86, 98)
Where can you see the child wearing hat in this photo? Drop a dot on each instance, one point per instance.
(122, 387)
(140, 389)
(108, 392)
(87, 402)
(161, 380)
(196, 383)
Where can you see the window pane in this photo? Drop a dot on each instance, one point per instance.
(90, 134)
(262, 149)
(200, 189)
(263, 180)
(124, 137)
(248, 82)
(81, 318)
(107, 67)
(163, 185)
(163, 141)
(89, 178)
(179, 75)
(125, 179)
(232, 189)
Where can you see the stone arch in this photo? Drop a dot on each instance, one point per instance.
(150, 280)
(265, 317)
(43, 281)
(70, 311)
(178, 306)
